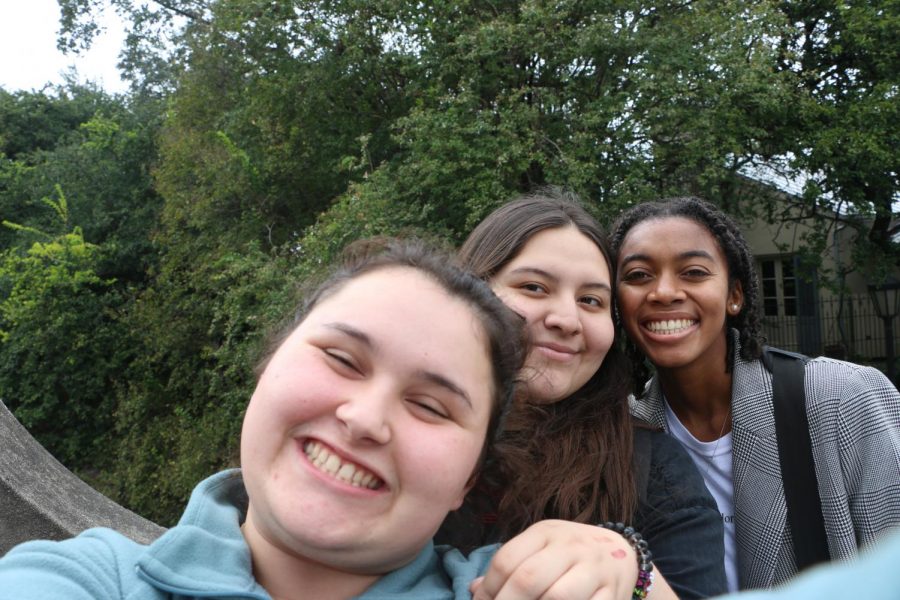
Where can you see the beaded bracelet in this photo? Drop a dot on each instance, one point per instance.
(644, 558)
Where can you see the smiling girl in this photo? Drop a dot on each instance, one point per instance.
(368, 423)
(571, 450)
(689, 300)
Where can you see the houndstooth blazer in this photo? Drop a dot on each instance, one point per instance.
(854, 421)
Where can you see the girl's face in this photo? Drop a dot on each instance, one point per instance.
(559, 282)
(366, 426)
(674, 294)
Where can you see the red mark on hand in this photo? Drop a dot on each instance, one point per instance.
(620, 554)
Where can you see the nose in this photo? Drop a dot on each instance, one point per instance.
(563, 317)
(365, 414)
(666, 290)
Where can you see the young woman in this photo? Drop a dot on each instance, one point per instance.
(688, 299)
(570, 448)
(367, 425)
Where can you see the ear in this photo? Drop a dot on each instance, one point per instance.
(735, 299)
(469, 485)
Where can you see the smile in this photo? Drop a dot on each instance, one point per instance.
(328, 462)
(670, 326)
(556, 351)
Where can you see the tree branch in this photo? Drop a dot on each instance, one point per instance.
(189, 14)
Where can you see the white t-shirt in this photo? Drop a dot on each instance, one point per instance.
(713, 460)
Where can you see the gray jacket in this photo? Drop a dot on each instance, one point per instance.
(854, 420)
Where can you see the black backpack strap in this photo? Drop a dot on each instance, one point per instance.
(798, 471)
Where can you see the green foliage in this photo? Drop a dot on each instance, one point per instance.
(621, 103)
(72, 263)
(55, 334)
(261, 137)
(180, 417)
(847, 64)
(103, 162)
(34, 121)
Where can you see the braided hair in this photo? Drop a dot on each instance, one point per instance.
(737, 254)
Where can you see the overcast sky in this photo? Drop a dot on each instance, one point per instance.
(28, 55)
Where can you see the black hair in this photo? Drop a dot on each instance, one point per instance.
(739, 257)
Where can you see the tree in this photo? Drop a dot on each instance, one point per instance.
(70, 275)
(847, 66)
(621, 102)
(293, 127)
(35, 121)
(57, 326)
(94, 147)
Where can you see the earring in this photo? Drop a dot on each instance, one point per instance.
(734, 307)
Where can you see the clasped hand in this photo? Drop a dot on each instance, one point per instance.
(560, 559)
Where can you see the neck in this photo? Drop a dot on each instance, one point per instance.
(701, 398)
(288, 576)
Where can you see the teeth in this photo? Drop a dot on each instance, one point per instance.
(670, 326)
(330, 463)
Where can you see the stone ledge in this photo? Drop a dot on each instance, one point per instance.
(41, 499)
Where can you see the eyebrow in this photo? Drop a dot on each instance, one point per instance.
(352, 332)
(445, 383)
(536, 271)
(547, 275)
(598, 286)
(430, 376)
(688, 254)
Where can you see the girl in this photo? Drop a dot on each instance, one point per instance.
(571, 450)
(688, 299)
(366, 426)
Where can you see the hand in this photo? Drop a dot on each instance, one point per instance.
(560, 559)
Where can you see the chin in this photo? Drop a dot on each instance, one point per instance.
(373, 558)
(545, 395)
(668, 361)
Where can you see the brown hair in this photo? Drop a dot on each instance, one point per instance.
(570, 459)
(502, 327)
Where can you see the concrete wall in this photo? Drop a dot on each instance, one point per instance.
(41, 499)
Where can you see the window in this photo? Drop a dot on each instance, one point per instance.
(779, 287)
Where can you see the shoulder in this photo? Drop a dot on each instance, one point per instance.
(674, 479)
(680, 520)
(669, 456)
(649, 407)
(861, 399)
(844, 388)
(90, 565)
(841, 377)
(828, 374)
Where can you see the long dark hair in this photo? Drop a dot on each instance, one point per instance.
(570, 459)
(737, 254)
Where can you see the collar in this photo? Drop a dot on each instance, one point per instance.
(205, 554)
(651, 406)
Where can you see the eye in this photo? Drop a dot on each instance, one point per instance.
(428, 408)
(593, 301)
(636, 276)
(342, 360)
(535, 288)
(695, 273)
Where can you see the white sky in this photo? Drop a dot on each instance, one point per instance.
(28, 55)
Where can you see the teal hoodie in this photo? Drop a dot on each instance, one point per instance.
(204, 556)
